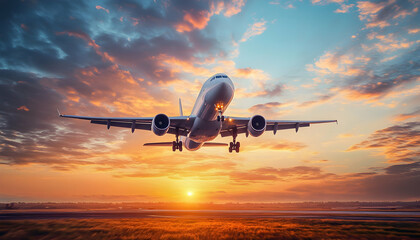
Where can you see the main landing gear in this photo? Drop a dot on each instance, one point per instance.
(177, 144)
(234, 145)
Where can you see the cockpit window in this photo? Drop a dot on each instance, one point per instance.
(220, 76)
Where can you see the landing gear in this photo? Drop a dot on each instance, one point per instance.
(177, 144)
(234, 145)
(220, 117)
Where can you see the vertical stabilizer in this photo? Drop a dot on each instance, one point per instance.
(180, 108)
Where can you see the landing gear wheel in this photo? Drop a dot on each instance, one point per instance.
(230, 149)
(174, 146)
(223, 118)
(237, 146)
(180, 146)
(218, 118)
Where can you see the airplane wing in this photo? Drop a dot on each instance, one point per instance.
(241, 125)
(206, 144)
(182, 123)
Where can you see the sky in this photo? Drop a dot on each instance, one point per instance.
(354, 61)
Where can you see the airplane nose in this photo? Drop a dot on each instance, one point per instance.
(224, 88)
(222, 92)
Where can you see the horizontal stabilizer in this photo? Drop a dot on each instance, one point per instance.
(215, 144)
(158, 144)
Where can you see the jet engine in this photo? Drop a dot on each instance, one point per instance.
(160, 124)
(256, 125)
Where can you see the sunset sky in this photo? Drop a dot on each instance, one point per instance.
(354, 61)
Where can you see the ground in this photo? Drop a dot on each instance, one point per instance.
(208, 228)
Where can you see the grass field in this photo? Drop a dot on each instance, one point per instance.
(199, 228)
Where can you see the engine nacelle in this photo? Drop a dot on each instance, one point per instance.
(257, 125)
(160, 124)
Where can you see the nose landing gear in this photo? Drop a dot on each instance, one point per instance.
(177, 144)
(220, 117)
(234, 145)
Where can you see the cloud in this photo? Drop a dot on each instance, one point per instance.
(403, 117)
(344, 8)
(234, 7)
(193, 21)
(319, 100)
(389, 42)
(366, 70)
(197, 19)
(414, 30)
(99, 7)
(279, 145)
(384, 13)
(403, 168)
(396, 183)
(23, 108)
(341, 64)
(255, 29)
(85, 70)
(282, 174)
(91, 43)
(266, 107)
(283, 4)
(398, 143)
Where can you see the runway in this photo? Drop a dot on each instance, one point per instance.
(163, 213)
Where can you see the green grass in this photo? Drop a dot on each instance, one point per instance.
(200, 228)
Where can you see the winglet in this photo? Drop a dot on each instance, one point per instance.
(59, 114)
(180, 107)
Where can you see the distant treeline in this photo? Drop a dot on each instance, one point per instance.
(169, 205)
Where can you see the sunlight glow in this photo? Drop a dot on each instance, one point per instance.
(190, 194)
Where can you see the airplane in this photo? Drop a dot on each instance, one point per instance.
(205, 122)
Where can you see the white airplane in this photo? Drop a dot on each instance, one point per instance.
(205, 122)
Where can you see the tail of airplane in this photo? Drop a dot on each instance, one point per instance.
(180, 108)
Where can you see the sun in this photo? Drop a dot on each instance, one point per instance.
(190, 193)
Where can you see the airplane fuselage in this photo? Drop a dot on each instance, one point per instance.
(213, 99)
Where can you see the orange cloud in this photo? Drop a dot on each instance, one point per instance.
(368, 10)
(193, 21)
(348, 65)
(199, 19)
(177, 65)
(23, 108)
(319, 100)
(255, 29)
(282, 174)
(91, 43)
(399, 143)
(405, 13)
(344, 8)
(414, 30)
(372, 12)
(389, 42)
(99, 7)
(403, 117)
(234, 7)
